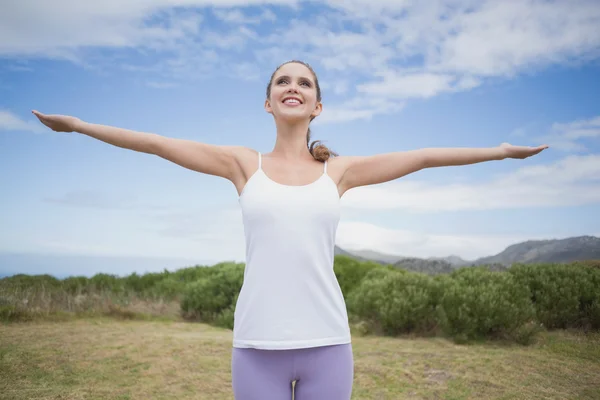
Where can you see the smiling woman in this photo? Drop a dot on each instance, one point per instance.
(290, 321)
(319, 151)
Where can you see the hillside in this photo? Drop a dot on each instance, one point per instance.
(532, 251)
(554, 251)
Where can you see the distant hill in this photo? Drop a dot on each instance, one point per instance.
(454, 260)
(430, 266)
(393, 258)
(374, 256)
(532, 251)
(542, 251)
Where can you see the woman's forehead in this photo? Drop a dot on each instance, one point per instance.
(294, 70)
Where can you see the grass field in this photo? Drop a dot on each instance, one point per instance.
(104, 358)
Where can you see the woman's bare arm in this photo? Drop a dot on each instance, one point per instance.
(206, 158)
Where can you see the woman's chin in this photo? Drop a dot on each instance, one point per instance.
(292, 117)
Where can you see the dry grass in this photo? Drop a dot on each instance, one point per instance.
(40, 302)
(104, 358)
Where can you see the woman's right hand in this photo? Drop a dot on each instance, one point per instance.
(58, 123)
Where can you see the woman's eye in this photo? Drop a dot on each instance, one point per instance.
(305, 83)
(279, 82)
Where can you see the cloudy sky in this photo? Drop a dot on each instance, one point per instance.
(396, 75)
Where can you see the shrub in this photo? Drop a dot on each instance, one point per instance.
(144, 285)
(10, 313)
(395, 301)
(75, 285)
(564, 296)
(106, 282)
(208, 297)
(350, 272)
(168, 289)
(479, 303)
(225, 318)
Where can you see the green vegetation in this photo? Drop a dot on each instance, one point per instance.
(400, 321)
(468, 304)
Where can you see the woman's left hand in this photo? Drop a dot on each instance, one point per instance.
(521, 152)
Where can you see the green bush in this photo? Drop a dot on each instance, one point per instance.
(168, 289)
(395, 301)
(144, 285)
(466, 304)
(479, 303)
(191, 274)
(106, 282)
(564, 295)
(10, 313)
(589, 305)
(210, 296)
(22, 282)
(224, 319)
(75, 285)
(350, 272)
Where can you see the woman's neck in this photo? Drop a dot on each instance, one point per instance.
(291, 142)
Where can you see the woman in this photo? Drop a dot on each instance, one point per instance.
(290, 318)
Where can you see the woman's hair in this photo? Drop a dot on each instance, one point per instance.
(318, 150)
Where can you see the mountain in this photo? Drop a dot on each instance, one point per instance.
(430, 266)
(393, 258)
(338, 251)
(543, 251)
(453, 260)
(375, 256)
(532, 251)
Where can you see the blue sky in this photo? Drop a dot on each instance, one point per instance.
(395, 76)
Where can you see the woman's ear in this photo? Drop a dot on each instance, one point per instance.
(268, 107)
(317, 110)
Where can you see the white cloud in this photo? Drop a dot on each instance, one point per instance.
(268, 15)
(380, 49)
(246, 71)
(94, 199)
(338, 87)
(483, 38)
(503, 38)
(358, 108)
(160, 85)
(569, 136)
(234, 40)
(409, 49)
(32, 27)
(235, 16)
(11, 122)
(572, 181)
(412, 85)
(59, 30)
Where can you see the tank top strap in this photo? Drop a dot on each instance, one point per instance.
(259, 160)
(325, 167)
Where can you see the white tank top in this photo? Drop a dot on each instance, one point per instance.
(290, 297)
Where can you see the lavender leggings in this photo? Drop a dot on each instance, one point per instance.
(320, 373)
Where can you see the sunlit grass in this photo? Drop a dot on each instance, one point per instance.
(106, 358)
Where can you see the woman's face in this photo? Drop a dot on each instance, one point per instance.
(293, 94)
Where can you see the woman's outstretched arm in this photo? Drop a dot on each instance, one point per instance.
(370, 170)
(206, 158)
